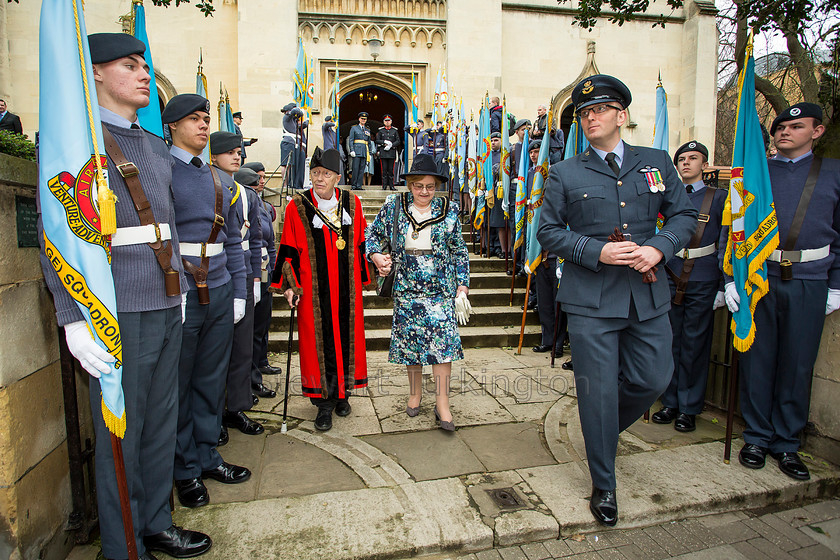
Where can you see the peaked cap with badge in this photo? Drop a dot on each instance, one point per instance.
(600, 88)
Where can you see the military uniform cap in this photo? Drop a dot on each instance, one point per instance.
(105, 47)
(182, 105)
(328, 159)
(247, 177)
(237, 115)
(363, 114)
(496, 135)
(328, 118)
(798, 111)
(534, 145)
(519, 124)
(693, 146)
(288, 107)
(600, 88)
(255, 166)
(386, 116)
(223, 141)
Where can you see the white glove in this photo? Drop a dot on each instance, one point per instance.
(257, 294)
(833, 302)
(93, 357)
(720, 301)
(238, 309)
(352, 154)
(388, 144)
(733, 300)
(183, 308)
(462, 308)
(559, 272)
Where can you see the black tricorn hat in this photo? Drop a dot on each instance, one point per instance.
(424, 164)
(328, 159)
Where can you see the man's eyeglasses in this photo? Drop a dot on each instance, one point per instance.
(597, 109)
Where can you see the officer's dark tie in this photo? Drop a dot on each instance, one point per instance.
(196, 161)
(689, 189)
(612, 163)
(135, 126)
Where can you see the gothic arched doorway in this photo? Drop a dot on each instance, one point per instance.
(377, 102)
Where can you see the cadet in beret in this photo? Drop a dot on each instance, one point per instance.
(496, 220)
(804, 276)
(211, 247)
(330, 133)
(418, 134)
(388, 144)
(237, 122)
(695, 282)
(358, 146)
(150, 316)
(618, 322)
(224, 152)
(293, 145)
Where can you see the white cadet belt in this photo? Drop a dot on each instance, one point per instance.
(697, 253)
(803, 256)
(195, 249)
(137, 235)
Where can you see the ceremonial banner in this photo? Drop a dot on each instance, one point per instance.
(533, 258)
(749, 211)
(660, 126)
(201, 89)
(504, 165)
(461, 148)
(304, 80)
(521, 194)
(435, 115)
(472, 178)
(226, 123)
(149, 116)
(577, 142)
(415, 101)
(443, 100)
(480, 158)
(73, 187)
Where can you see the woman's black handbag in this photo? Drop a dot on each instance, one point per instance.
(385, 285)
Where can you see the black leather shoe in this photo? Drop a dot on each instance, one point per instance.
(665, 415)
(192, 492)
(532, 303)
(542, 348)
(392, 188)
(323, 422)
(752, 456)
(509, 272)
(255, 399)
(568, 366)
(270, 370)
(685, 423)
(343, 408)
(179, 543)
(792, 465)
(262, 391)
(604, 507)
(241, 422)
(224, 437)
(227, 473)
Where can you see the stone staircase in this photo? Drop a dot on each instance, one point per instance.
(494, 322)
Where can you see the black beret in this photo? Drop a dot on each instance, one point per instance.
(182, 105)
(247, 177)
(600, 88)
(237, 115)
(386, 116)
(328, 159)
(798, 111)
(363, 114)
(223, 141)
(254, 165)
(519, 124)
(328, 118)
(496, 135)
(288, 107)
(105, 47)
(693, 146)
(534, 145)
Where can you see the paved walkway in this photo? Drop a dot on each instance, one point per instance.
(512, 480)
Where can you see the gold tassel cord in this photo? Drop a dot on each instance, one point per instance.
(106, 200)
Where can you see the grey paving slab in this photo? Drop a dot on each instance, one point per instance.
(523, 526)
(795, 517)
(671, 545)
(502, 447)
(826, 533)
(815, 552)
(535, 551)
(785, 529)
(413, 451)
(717, 553)
(610, 554)
(827, 509)
(512, 553)
(523, 385)
(488, 555)
(770, 533)
(770, 549)
(558, 548)
(717, 519)
(734, 532)
(664, 435)
(749, 551)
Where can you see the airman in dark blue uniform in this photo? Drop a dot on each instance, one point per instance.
(358, 146)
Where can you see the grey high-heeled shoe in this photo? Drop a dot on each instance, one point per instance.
(444, 425)
(412, 411)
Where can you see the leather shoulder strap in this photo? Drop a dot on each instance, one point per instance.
(804, 201)
(131, 176)
(218, 220)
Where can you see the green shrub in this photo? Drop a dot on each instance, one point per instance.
(17, 145)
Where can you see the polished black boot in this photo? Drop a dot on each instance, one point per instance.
(604, 506)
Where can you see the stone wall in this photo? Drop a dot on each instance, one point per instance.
(825, 394)
(34, 480)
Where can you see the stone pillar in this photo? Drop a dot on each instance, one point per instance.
(698, 101)
(5, 72)
(825, 394)
(474, 62)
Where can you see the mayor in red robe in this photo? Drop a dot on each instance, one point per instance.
(321, 270)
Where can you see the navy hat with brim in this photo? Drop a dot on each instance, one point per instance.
(222, 142)
(255, 166)
(423, 165)
(798, 111)
(182, 105)
(328, 118)
(600, 88)
(105, 47)
(386, 116)
(328, 159)
(519, 124)
(496, 135)
(363, 114)
(237, 115)
(534, 145)
(288, 107)
(693, 146)
(247, 177)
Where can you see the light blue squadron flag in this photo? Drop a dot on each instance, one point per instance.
(504, 165)
(149, 116)
(534, 249)
(201, 89)
(749, 211)
(481, 188)
(577, 142)
(226, 123)
(660, 126)
(73, 186)
(521, 207)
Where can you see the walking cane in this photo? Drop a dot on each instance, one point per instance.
(288, 366)
(556, 331)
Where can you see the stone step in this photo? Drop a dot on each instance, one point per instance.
(479, 297)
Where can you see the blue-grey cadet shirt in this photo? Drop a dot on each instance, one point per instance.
(706, 268)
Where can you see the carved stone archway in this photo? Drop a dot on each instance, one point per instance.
(376, 78)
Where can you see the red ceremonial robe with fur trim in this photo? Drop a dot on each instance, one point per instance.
(331, 330)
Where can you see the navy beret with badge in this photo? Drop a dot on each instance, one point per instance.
(600, 88)
(222, 142)
(693, 146)
(247, 177)
(255, 165)
(288, 107)
(328, 159)
(496, 135)
(798, 111)
(182, 105)
(105, 47)
(534, 145)
(519, 124)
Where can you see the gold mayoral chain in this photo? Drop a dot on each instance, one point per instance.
(333, 221)
(425, 223)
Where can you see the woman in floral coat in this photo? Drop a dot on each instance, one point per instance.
(433, 270)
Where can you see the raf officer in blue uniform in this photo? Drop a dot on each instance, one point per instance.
(358, 146)
(420, 137)
(617, 309)
(695, 281)
(804, 287)
(293, 145)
